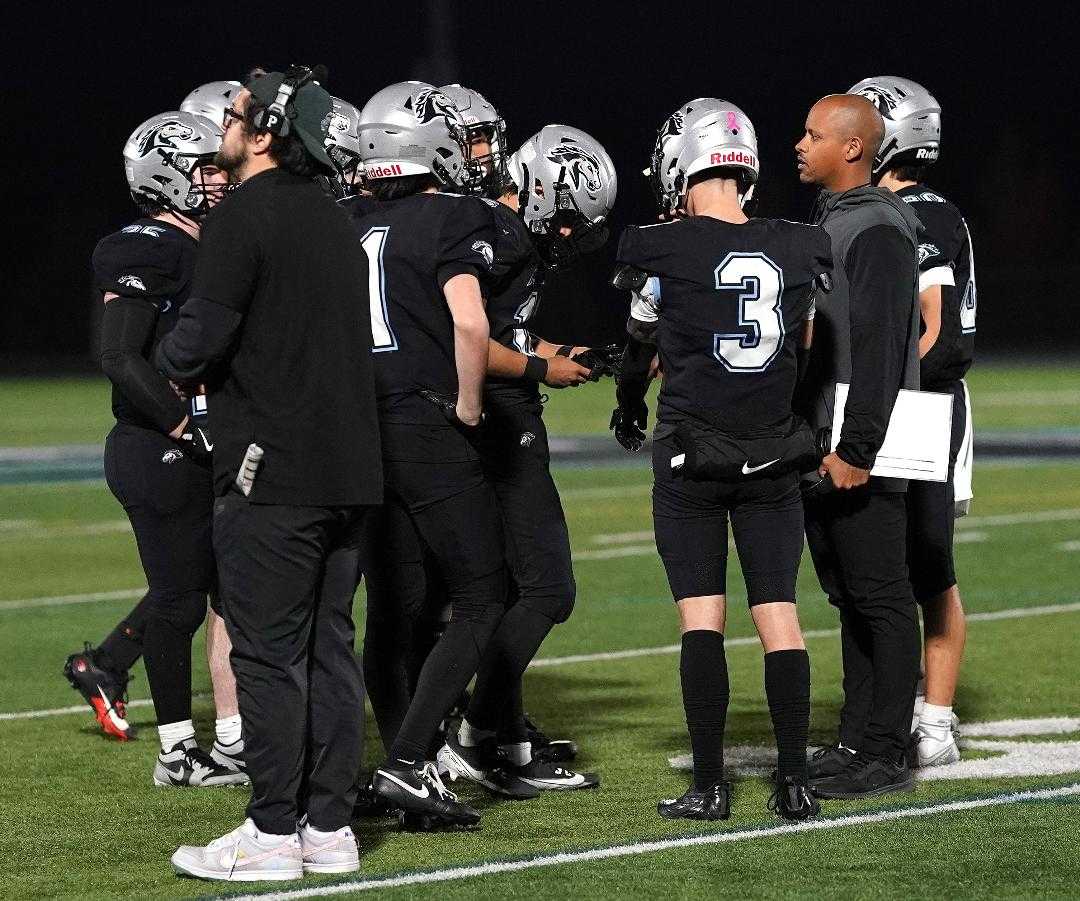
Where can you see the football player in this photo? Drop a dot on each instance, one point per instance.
(428, 254)
(101, 673)
(568, 187)
(343, 147)
(727, 301)
(947, 348)
(157, 455)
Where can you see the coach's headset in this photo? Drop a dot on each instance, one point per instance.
(277, 117)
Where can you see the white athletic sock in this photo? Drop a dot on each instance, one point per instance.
(470, 736)
(171, 734)
(227, 730)
(318, 834)
(519, 753)
(936, 715)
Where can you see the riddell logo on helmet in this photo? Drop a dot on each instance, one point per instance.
(383, 171)
(926, 153)
(731, 157)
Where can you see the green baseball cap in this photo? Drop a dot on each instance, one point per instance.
(310, 107)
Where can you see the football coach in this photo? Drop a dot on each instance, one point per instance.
(278, 324)
(866, 334)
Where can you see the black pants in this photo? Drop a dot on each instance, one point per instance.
(931, 517)
(287, 575)
(858, 540)
(168, 498)
(436, 493)
(516, 461)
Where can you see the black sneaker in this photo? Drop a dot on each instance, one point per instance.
(829, 761)
(553, 750)
(793, 801)
(544, 775)
(867, 777)
(482, 765)
(712, 804)
(421, 792)
(103, 689)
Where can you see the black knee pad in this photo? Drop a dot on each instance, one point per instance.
(185, 611)
(555, 602)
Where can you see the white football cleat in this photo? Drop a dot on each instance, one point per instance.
(333, 852)
(243, 855)
(936, 745)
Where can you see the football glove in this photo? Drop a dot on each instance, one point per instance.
(196, 441)
(447, 404)
(606, 360)
(628, 423)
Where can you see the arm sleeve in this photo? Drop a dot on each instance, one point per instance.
(632, 383)
(467, 243)
(127, 325)
(645, 311)
(205, 335)
(881, 272)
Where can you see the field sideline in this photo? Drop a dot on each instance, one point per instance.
(83, 819)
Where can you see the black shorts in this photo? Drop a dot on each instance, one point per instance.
(931, 517)
(690, 521)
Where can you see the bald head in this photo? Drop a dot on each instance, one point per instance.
(843, 133)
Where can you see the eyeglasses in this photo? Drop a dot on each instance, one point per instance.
(228, 116)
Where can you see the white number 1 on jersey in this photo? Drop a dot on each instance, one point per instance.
(382, 336)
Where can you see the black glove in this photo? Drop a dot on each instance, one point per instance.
(606, 360)
(196, 441)
(447, 403)
(628, 424)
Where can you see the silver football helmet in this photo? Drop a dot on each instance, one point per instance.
(912, 120)
(702, 134)
(564, 177)
(162, 159)
(343, 142)
(211, 100)
(487, 174)
(412, 128)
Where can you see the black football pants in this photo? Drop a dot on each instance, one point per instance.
(516, 460)
(287, 576)
(858, 540)
(168, 498)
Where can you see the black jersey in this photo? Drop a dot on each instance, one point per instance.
(152, 261)
(414, 246)
(517, 279)
(729, 302)
(946, 258)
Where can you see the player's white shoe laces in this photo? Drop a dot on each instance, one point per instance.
(243, 855)
(430, 774)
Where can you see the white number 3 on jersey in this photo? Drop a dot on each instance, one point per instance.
(758, 286)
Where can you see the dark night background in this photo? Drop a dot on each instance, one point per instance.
(85, 76)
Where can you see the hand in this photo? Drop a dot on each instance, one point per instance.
(196, 440)
(629, 426)
(606, 360)
(562, 372)
(456, 413)
(467, 415)
(843, 475)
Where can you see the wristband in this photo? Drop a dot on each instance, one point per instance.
(565, 350)
(535, 368)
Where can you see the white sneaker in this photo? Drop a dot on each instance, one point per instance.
(187, 765)
(231, 757)
(936, 745)
(334, 852)
(243, 855)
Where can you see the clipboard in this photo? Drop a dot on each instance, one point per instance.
(918, 439)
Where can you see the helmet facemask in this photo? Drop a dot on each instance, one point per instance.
(200, 196)
(486, 174)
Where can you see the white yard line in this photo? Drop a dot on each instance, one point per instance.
(1064, 397)
(62, 600)
(631, 653)
(1069, 546)
(637, 849)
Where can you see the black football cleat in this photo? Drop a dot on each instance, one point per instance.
(793, 800)
(712, 804)
(867, 777)
(829, 761)
(482, 765)
(103, 689)
(547, 776)
(552, 750)
(422, 797)
(369, 805)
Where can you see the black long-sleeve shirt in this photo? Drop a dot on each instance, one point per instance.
(881, 269)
